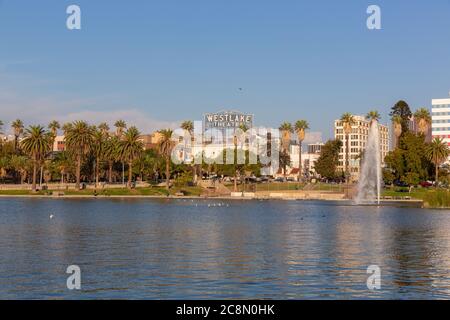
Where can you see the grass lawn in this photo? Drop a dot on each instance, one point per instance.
(432, 198)
(155, 191)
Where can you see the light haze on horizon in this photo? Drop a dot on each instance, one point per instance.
(155, 63)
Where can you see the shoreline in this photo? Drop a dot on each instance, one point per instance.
(394, 203)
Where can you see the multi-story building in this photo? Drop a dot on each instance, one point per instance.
(59, 144)
(315, 147)
(440, 114)
(357, 144)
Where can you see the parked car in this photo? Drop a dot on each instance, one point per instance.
(426, 184)
(280, 179)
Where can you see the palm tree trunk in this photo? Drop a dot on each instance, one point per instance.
(300, 162)
(78, 170)
(96, 173)
(33, 186)
(167, 173)
(110, 171)
(346, 155)
(436, 179)
(130, 174)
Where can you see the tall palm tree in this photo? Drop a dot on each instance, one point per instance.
(111, 154)
(1, 125)
(348, 120)
(373, 116)
(131, 148)
(120, 127)
(79, 139)
(188, 127)
(66, 127)
(36, 144)
(397, 124)
(17, 127)
(423, 119)
(165, 147)
(300, 128)
(98, 149)
(437, 152)
(54, 126)
(286, 130)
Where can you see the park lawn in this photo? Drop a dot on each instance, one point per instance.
(155, 191)
(431, 197)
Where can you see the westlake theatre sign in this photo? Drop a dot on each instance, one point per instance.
(228, 119)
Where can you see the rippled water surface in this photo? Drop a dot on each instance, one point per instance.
(183, 249)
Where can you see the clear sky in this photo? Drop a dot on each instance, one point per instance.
(155, 63)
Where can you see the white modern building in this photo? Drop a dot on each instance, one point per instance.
(440, 114)
(357, 144)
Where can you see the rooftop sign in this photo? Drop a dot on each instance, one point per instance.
(228, 119)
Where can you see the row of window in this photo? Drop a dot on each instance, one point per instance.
(441, 106)
(441, 129)
(440, 114)
(442, 121)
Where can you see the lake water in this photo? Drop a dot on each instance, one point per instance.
(183, 249)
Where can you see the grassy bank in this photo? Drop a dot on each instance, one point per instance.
(432, 198)
(155, 191)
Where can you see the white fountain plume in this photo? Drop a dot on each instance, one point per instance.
(369, 185)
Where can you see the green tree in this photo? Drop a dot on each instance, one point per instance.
(79, 140)
(131, 148)
(401, 109)
(36, 144)
(329, 159)
(437, 152)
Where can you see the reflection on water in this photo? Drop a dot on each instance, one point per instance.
(183, 249)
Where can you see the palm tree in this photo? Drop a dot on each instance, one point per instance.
(188, 127)
(111, 154)
(17, 127)
(165, 147)
(54, 126)
(66, 127)
(300, 127)
(347, 122)
(79, 140)
(423, 119)
(397, 124)
(104, 128)
(131, 148)
(120, 127)
(286, 130)
(1, 125)
(98, 148)
(373, 116)
(36, 144)
(437, 152)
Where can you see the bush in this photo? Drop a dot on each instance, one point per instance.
(438, 199)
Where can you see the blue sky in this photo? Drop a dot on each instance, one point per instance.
(155, 63)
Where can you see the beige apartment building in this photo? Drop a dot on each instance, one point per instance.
(357, 143)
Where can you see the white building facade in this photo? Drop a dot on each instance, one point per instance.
(440, 113)
(357, 144)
